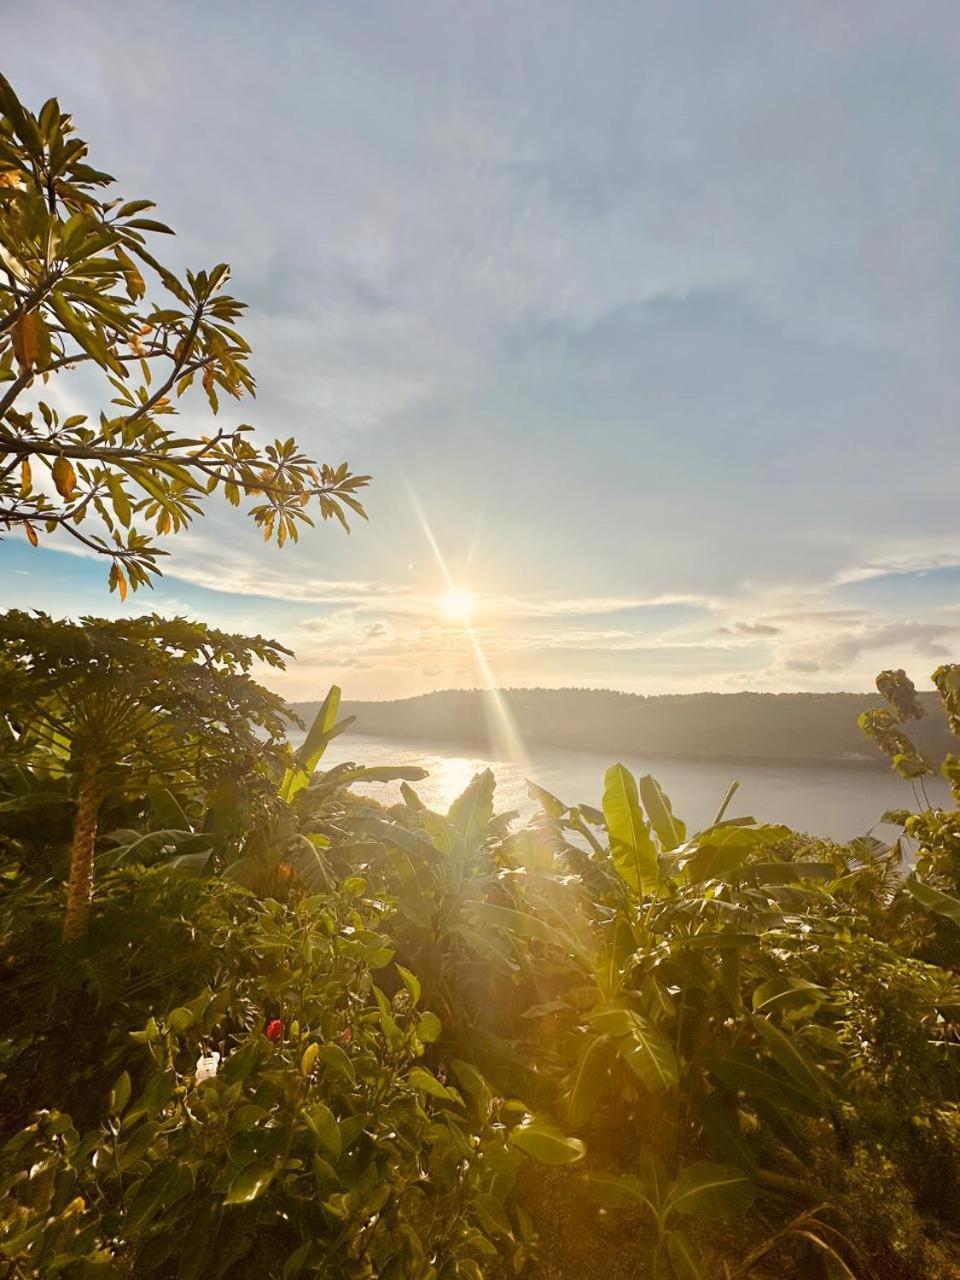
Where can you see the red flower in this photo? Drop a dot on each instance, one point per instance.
(275, 1030)
(346, 1035)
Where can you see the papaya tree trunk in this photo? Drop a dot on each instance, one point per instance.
(80, 883)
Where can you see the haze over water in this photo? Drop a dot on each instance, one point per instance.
(824, 800)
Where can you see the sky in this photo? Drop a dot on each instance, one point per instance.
(643, 316)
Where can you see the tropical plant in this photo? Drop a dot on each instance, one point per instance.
(452, 1044)
(79, 287)
(693, 999)
(118, 707)
(283, 1124)
(934, 884)
(300, 839)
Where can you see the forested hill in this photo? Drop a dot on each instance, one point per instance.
(784, 726)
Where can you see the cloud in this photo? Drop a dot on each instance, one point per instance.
(915, 562)
(647, 312)
(838, 651)
(757, 629)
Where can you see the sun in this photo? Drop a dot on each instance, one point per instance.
(458, 605)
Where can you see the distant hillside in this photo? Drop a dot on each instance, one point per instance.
(783, 726)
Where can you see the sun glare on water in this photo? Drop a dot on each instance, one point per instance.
(458, 605)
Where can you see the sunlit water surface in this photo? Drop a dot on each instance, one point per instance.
(830, 800)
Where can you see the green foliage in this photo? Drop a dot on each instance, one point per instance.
(118, 708)
(79, 286)
(315, 1035)
(320, 1148)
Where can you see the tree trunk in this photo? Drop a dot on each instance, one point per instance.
(80, 883)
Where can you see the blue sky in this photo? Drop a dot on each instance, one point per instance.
(648, 310)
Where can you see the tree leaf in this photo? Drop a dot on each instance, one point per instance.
(683, 1256)
(334, 1059)
(429, 1028)
(520, 924)
(492, 1215)
(120, 1094)
(649, 1055)
(323, 1124)
(743, 1073)
(250, 1182)
(424, 1082)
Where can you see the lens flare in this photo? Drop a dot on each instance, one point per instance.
(458, 605)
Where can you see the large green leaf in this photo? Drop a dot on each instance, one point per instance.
(684, 1258)
(471, 813)
(707, 1190)
(548, 802)
(670, 830)
(519, 924)
(323, 730)
(645, 1050)
(613, 1190)
(335, 1059)
(782, 1048)
(650, 1056)
(724, 849)
(941, 904)
(391, 833)
(786, 992)
(309, 863)
(545, 1142)
(585, 1083)
(740, 1071)
(634, 852)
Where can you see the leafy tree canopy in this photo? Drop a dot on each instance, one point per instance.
(79, 286)
(118, 706)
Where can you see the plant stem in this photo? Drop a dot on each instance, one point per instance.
(80, 884)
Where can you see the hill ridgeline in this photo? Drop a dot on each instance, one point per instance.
(799, 727)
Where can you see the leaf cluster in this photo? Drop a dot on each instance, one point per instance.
(81, 287)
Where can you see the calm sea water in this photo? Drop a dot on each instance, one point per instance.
(839, 801)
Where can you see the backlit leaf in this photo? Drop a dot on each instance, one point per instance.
(633, 850)
(546, 1143)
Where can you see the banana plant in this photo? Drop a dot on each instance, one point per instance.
(701, 1191)
(695, 1014)
(297, 835)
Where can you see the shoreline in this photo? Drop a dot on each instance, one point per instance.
(483, 747)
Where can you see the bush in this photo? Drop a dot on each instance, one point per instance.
(276, 1120)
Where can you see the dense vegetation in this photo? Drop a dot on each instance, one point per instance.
(301, 1033)
(768, 726)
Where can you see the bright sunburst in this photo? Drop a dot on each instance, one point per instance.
(458, 605)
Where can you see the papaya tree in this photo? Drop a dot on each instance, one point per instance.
(80, 288)
(116, 707)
